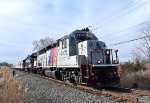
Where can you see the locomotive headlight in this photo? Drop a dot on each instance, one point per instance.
(115, 73)
(98, 61)
(87, 34)
(107, 52)
(115, 62)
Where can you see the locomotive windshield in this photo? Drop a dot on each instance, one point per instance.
(85, 36)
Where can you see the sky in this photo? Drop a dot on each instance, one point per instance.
(23, 21)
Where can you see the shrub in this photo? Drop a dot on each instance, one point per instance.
(135, 75)
(140, 79)
(132, 67)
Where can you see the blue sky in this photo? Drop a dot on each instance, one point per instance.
(22, 21)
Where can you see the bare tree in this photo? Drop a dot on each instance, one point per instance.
(36, 45)
(136, 54)
(144, 46)
(42, 43)
(6, 64)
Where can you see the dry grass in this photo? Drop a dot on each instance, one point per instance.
(139, 79)
(10, 89)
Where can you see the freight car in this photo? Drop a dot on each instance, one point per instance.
(78, 57)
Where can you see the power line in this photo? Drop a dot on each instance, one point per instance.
(122, 15)
(126, 6)
(129, 40)
(120, 36)
(125, 29)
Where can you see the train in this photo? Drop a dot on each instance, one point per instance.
(78, 57)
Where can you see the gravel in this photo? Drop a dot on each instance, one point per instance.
(39, 90)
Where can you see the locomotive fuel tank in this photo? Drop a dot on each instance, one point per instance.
(54, 74)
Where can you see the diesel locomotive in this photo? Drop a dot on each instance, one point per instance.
(78, 57)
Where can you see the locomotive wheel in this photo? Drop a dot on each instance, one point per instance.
(65, 78)
(38, 71)
(34, 71)
(73, 80)
(42, 72)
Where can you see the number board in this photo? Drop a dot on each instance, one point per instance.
(80, 34)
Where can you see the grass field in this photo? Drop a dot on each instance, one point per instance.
(10, 89)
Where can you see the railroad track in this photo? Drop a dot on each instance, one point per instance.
(122, 94)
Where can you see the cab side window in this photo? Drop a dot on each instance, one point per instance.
(98, 45)
(72, 41)
(64, 43)
(72, 46)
